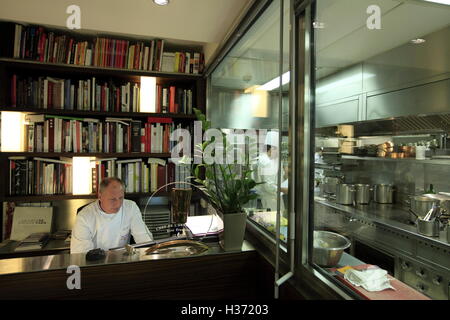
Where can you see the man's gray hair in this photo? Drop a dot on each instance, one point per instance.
(107, 181)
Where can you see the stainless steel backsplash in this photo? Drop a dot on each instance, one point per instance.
(409, 177)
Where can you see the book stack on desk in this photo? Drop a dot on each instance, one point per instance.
(34, 241)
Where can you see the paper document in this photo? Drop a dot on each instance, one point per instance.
(200, 225)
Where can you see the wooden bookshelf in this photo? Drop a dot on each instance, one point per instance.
(85, 154)
(59, 197)
(94, 70)
(82, 113)
(32, 68)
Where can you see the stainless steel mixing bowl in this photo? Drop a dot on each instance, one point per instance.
(328, 248)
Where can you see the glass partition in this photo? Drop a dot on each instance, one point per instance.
(245, 98)
(382, 81)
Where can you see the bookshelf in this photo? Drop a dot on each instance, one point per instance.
(109, 60)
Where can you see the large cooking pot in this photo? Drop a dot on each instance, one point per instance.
(345, 194)
(384, 193)
(330, 184)
(328, 248)
(420, 205)
(362, 193)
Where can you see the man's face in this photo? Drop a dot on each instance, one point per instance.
(111, 198)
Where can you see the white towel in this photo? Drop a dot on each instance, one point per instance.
(370, 279)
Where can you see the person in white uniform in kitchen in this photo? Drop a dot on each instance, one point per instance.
(108, 222)
(267, 171)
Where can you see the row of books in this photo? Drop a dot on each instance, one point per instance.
(68, 94)
(39, 44)
(173, 99)
(42, 176)
(137, 174)
(48, 133)
(94, 95)
(183, 62)
(39, 176)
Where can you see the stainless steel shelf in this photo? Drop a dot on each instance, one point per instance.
(388, 216)
(404, 160)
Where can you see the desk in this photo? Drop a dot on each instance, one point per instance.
(52, 247)
(213, 275)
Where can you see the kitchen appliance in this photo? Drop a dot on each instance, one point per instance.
(384, 193)
(345, 194)
(328, 248)
(362, 193)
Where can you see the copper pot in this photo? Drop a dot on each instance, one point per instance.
(409, 151)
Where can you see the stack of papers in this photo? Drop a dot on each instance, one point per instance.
(34, 241)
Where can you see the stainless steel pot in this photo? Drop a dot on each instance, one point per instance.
(384, 193)
(345, 194)
(362, 193)
(330, 184)
(420, 205)
(428, 228)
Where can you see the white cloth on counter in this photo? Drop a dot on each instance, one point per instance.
(370, 279)
(95, 228)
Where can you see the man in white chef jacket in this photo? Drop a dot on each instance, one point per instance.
(267, 171)
(108, 222)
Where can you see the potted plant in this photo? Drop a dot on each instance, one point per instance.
(229, 187)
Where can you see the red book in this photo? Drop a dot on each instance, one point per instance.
(159, 120)
(172, 99)
(149, 136)
(129, 138)
(161, 176)
(122, 53)
(136, 56)
(158, 97)
(111, 53)
(51, 135)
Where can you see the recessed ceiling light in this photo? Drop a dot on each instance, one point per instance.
(418, 41)
(161, 2)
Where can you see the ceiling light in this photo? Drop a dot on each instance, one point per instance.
(447, 2)
(418, 41)
(161, 2)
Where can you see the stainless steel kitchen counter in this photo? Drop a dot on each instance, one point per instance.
(388, 215)
(62, 261)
